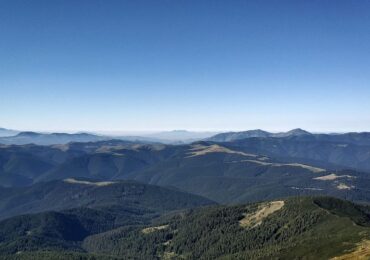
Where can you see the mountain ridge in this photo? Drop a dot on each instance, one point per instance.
(4, 132)
(232, 136)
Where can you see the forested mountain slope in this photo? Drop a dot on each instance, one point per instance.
(73, 193)
(311, 227)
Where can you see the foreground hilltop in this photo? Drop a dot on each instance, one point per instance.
(311, 227)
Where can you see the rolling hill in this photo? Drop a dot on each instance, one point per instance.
(73, 193)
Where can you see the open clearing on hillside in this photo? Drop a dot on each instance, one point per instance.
(305, 188)
(332, 177)
(199, 149)
(308, 167)
(100, 183)
(362, 251)
(304, 166)
(254, 219)
(343, 186)
(149, 230)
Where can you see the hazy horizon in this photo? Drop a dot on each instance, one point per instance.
(151, 132)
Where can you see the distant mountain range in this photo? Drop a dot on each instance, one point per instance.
(48, 139)
(170, 137)
(177, 137)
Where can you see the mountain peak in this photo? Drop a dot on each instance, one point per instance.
(298, 131)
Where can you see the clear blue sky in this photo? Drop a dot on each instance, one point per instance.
(182, 64)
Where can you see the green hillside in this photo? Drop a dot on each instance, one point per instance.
(295, 228)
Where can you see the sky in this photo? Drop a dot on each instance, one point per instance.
(132, 65)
